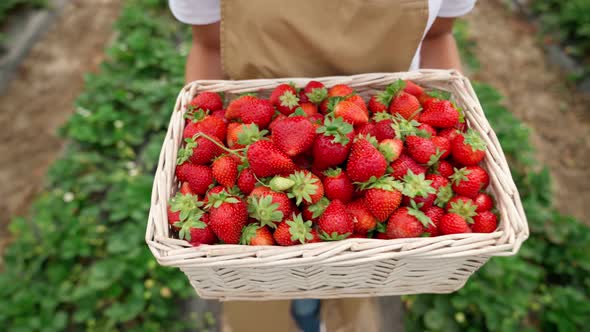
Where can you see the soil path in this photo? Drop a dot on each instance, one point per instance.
(512, 61)
(40, 99)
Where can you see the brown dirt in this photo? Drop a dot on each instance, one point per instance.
(40, 99)
(512, 61)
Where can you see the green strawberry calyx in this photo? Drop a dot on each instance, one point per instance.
(195, 116)
(194, 221)
(335, 236)
(475, 141)
(386, 182)
(186, 152)
(391, 91)
(305, 185)
(298, 112)
(289, 99)
(250, 133)
(464, 209)
(188, 205)
(381, 116)
(333, 172)
(264, 210)
(279, 183)
(434, 158)
(317, 95)
(414, 210)
(460, 175)
(299, 229)
(443, 195)
(368, 138)
(439, 94)
(404, 128)
(248, 233)
(215, 200)
(417, 185)
(336, 128)
(318, 208)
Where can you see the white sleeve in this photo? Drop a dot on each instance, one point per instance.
(455, 8)
(196, 12)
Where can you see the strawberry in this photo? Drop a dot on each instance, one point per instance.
(468, 149)
(337, 185)
(258, 111)
(284, 98)
(440, 114)
(199, 151)
(313, 212)
(405, 163)
(335, 223)
(206, 124)
(219, 114)
(315, 236)
(366, 129)
(484, 222)
(407, 222)
(351, 113)
(246, 181)
(324, 106)
(364, 221)
(391, 148)
(293, 230)
(266, 159)
(405, 104)
(228, 216)
(443, 145)
(293, 135)
(317, 120)
(469, 181)
(443, 168)
(381, 101)
(422, 150)
(185, 189)
(383, 126)
(484, 202)
(214, 190)
(199, 177)
(256, 235)
(365, 160)
(418, 189)
(413, 89)
(307, 188)
(427, 128)
(196, 230)
(225, 171)
(358, 100)
(268, 206)
(313, 92)
(233, 110)
(332, 145)
(340, 90)
(452, 223)
(463, 208)
(180, 207)
(382, 196)
(448, 133)
(309, 109)
(435, 213)
(377, 105)
(456, 199)
(207, 101)
(239, 135)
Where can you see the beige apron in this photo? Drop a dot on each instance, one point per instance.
(311, 38)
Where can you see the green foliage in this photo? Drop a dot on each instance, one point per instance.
(79, 260)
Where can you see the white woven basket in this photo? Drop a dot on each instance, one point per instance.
(349, 268)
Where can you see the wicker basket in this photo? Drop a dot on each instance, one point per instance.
(348, 268)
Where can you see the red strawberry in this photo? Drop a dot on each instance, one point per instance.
(366, 129)
(204, 235)
(365, 160)
(233, 109)
(456, 199)
(484, 202)
(239, 135)
(313, 212)
(181, 207)
(199, 151)
(268, 206)
(228, 215)
(443, 168)
(185, 188)
(293, 230)
(307, 188)
(210, 101)
(309, 109)
(407, 222)
(324, 106)
(351, 113)
(421, 149)
(335, 223)
(220, 114)
(246, 181)
(484, 222)
(315, 237)
(383, 129)
(339, 90)
(427, 128)
(381, 101)
(293, 135)
(452, 223)
(469, 181)
(314, 92)
(364, 221)
(449, 133)
(468, 149)
(317, 120)
(391, 148)
(403, 164)
(199, 177)
(225, 171)
(337, 185)
(440, 114)
(206, 124)
(256, 235)
(382, 196)
(332, 145)
(284, 98)
(443, 145)
(418, 189)
(377, 105)
(258, 111)
(405, 104)
(435, 213)
(443, 189)
(279, 117)
(266, 159)
(358, 100)
(214, 190)
(413, 89)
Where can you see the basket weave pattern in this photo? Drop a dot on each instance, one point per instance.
(348, 268)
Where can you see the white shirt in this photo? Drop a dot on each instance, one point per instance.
(199, 12)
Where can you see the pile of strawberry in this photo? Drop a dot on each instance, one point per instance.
(321, 164)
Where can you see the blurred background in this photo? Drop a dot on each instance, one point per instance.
(86, 91)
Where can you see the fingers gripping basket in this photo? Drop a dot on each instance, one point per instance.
(349, 268)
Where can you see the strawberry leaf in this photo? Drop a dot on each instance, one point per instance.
(300, 230)
(465, 209)
(289, 99)
(264, 210)
(337, 128)
(317, 95)
(318, 208)
(417, 185)
(475, 141)
(335, 236)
